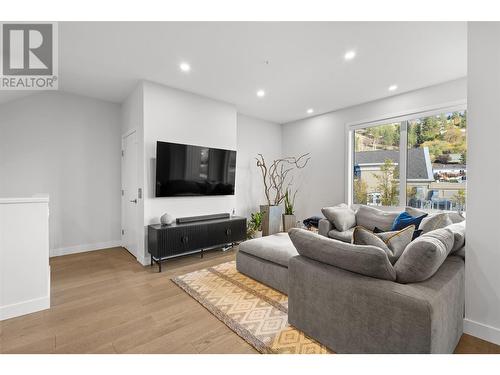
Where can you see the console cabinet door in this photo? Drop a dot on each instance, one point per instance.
(171, 242)
(219, 233)
(238, 230)
(195, 237)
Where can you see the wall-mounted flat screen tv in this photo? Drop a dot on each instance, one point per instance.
(186, 170)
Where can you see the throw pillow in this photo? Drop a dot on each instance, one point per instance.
(365, 260)
(435, 221)
(416, 232)
(404, 219)
(423, 257)
(458, 230)
(362, 236)
(393, 243)
(371, 217)
(341, 216)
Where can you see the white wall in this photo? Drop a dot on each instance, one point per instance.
(177, 116)
(68, 147)
(161, 113)
(254, 136)
(172, 115)
(483, 183)
(324, 136)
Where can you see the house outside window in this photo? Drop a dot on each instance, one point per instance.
(428, 151)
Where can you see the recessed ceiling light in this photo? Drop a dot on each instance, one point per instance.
(185, 67)
(349, 55)
(261, 93)
(393, 87)
(310, 110)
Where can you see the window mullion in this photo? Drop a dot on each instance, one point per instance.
(403, 158)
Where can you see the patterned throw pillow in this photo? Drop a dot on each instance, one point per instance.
(393, 243)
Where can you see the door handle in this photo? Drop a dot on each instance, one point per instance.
(134, 201)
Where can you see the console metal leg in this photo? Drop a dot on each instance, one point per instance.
(159, 265)
(201, 256)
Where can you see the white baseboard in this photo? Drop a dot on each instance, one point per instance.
(84, 248)
(25, 307)
(146, 261)
(483, 331)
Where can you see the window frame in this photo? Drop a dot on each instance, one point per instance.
(403, 118)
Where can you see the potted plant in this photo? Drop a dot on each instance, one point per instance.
(289, 215)
(254, 226)
(277, 180)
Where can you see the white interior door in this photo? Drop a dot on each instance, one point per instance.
(130, 193)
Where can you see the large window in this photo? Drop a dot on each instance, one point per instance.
(430, 152)
(376, 165)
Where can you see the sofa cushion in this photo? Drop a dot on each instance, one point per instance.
(460, 252)
(423, 257)
(456, 217)
(276, 248)
(404, 219)
(458, 230)
(365, 260)
(370, 217)
(345, 236)
(393, 243)
(435, 221)
(341, 216)
(415, 211)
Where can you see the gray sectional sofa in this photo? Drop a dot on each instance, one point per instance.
(353, 299)
(368, 217)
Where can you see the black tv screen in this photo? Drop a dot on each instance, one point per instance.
(185, 170)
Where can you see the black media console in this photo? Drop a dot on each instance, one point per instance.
(193, 235)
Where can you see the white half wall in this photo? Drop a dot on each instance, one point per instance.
(482, 293)
(68, 147)
(254, 136)
(323, 181)
(24, 256)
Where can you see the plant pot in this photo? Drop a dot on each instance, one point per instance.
(288, 222)
(257, 234)
(271, 219)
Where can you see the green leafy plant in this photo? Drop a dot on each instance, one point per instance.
(256, 220)
(289, 202)
(255, 224)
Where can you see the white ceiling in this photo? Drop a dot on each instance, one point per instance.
(306, 64)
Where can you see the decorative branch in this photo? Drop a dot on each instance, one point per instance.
(275, 177)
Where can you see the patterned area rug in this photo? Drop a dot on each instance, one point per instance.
(256, 312)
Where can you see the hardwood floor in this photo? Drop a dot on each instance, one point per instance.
(106, 302)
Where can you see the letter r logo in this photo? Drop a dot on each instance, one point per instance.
(27, 49)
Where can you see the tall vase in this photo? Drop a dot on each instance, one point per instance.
(288, 222)
(271, 219)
